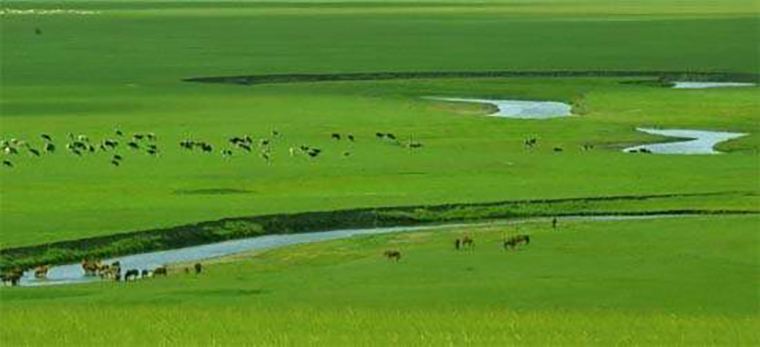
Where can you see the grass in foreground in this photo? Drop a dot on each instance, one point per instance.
(673, 281)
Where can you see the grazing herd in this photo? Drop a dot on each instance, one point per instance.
(113, 271)
(119, 143)
(468, 243)
(91, 268)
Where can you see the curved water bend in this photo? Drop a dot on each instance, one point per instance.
(72, 273)
(699, 141)
(706, 85)
(520, 109)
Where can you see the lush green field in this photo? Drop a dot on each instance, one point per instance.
(121, 67)
(686, 280)
(120, 64)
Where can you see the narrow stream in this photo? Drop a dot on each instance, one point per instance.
(706, 85)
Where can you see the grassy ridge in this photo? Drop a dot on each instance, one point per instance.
(236, 228)
(687, 280)
(665, 77)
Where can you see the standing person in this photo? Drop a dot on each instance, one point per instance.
(554, 223)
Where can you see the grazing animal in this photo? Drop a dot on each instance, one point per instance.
(457, 244)
(206, 147)
(379, 135)
(557, 149)
(138, 136)
(49, 147)
(468, 242)
(118, 132)
(392, 254)
(292, 151)
(7, 163)
(198, 268)
(115, 163)
(12, 276)
(133, 145)
(226, 153)
(41, 271)
(46, 137)
(245, 146)
(132, 273)
(145, 273)
(111, 143)
(350, 137)
(37, 31)
(335, 136)
(117, 157)
(161, 270)
(35, 152)
(90, 268)
(514, 241)
(390, 136)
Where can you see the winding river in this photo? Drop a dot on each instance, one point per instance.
(519, 109)
(73, 274)
(696, 141)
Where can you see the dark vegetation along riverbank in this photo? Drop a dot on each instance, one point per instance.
(663, 76)
(244, 227)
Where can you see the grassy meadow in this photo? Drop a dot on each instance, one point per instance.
(684, 281)
(100, 66)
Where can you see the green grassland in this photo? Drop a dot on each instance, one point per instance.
(123, 67)
(466, 158)
(689, 280)
(685, 280)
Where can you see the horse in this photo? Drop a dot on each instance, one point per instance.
(161, 270)
(513, 241)
(90, 268)
(467, 241)
(392, 254)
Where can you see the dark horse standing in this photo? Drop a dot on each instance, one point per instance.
(395, 255)
(513, 241)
